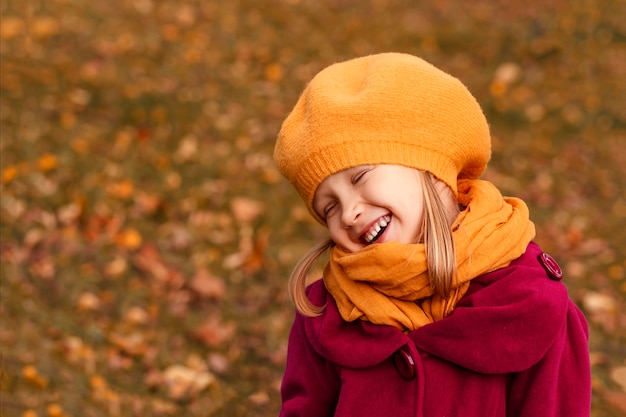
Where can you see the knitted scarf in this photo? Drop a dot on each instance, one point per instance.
(388, 283)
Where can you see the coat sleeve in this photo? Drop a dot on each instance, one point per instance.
(310, 385)
(559, 384)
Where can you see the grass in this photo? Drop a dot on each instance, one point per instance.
(146, 235)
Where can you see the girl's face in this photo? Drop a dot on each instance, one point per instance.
(372, 204)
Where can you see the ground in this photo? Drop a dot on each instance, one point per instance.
(146, 236)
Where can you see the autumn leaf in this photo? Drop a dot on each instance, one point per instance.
(246, 210)
(147, 203)
(214, 332)
(116, 267)
(616, 399)
(10, 27)
(256, 259)
(183, 382)
(206, 285)
(259, 398)
(602, 309)
(129, 238)
(88, 301)
(47, 162)
(8, 174)
(137, 315)
(273, 72)
(44, 26)
(123, 189)
(148, 259)
(32, 376)
(55, 410)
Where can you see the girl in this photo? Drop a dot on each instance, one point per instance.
(435, 301)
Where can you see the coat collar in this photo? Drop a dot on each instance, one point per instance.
(356, 344)
(506, 322)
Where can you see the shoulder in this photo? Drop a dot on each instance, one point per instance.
(353, 344)
(534, 278)
(316, 292)
(508, 320)
(529, 291)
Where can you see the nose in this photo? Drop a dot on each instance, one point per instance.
(350, 213)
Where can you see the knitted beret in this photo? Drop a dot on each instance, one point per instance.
(389, 108)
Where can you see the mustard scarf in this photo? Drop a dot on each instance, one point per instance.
(388, 283)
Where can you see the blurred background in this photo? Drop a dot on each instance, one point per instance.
(146, 236)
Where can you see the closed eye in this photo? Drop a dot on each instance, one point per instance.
(359, 174)
(328, 209)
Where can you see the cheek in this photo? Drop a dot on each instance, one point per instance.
(414, 220)
(334, 229)
(419, 227)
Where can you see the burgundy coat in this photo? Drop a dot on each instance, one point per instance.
(514, 346)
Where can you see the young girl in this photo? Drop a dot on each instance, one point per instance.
(435, 301)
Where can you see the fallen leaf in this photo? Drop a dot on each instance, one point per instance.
(245, 209)
(97, 383)
(259, 398)
(616, 399)
(116, 267)
(213, 332)
(153, 379)
(137, 315)
(32, 376)
(129, 238)
(118, 361)
(54, 410)
(274, 72)
(148, 259)
(122, 189)
(146, 203)
(43, 268)
(44, 26)
(619, 376)
(163, 408)
(218, 362)
(11, 27)
(47, 162)
(187, 149)
(69, 213)
(80, 145)
(255, 260)
(206, 285)
(88, 301)
(183, 382)
(8, 174)
(134, 344)
(601, 308)
(596, 302)
(173, 180)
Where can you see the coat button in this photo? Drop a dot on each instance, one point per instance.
(550, 265)
(404, 364)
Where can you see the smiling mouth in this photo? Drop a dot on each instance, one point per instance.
(376, 230)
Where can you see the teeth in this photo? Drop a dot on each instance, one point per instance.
(376, 228)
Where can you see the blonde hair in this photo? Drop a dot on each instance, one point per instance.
(436, 233)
